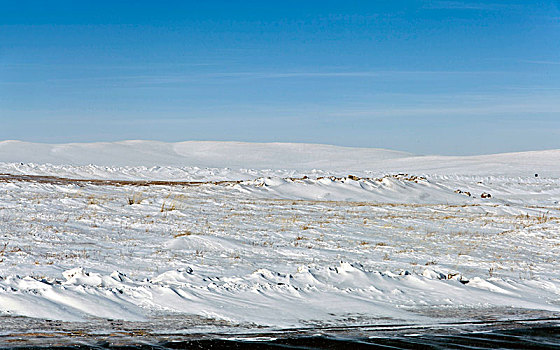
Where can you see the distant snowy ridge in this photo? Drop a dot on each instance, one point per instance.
(193, 153)
(205, 160)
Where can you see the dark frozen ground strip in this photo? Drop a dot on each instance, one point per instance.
(542, 337)
(55, 180)
(195, 333)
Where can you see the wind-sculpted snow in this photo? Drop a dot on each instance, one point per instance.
(393, 189)
(310, 294)
(140, 173)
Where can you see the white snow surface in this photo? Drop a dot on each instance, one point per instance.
(291, 239)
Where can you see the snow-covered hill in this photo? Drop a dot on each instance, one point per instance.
(195, 153)
(211, 161)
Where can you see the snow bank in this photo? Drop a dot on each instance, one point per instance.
(278, 299)
(387, 189)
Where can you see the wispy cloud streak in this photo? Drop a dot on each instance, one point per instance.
(542, 62)
(163, 79)
(464, 5)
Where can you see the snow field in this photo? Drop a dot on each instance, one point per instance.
(281, 252)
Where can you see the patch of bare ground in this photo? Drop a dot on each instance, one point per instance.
(56, 180)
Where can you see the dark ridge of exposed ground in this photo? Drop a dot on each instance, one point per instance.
(539, 333)
(56, 180)
(544, 337)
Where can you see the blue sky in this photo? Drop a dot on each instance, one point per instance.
(428, 77)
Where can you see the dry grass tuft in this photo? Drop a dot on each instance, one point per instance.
(182, 234)
(2, 251)
(167, 207)
(135, 199)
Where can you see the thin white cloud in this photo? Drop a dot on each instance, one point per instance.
(343, 74)
(542, 62)
(451, 111)
(169, 79)
(269, 75)
(465, 5)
